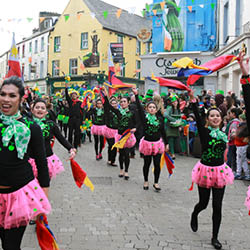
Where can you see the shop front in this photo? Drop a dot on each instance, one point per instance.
(229, 77)
(160, 64)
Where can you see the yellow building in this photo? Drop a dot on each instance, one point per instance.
(81, 37)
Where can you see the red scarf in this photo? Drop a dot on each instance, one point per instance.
(75, 101)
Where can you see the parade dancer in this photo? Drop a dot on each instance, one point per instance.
(111, 121)
(50, 130)
(211, 173)
(98, 127)
(126, 121)
(22, 197)
(245, 81)
(151, 144)
(74, 116)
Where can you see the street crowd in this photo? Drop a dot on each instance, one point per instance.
(211, 127)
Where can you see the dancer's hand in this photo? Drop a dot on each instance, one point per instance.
(135, 91)
(133, 130)
(167, 148)
(46, 191)
(105, 92)
(72, 153)
(243, 66)
(191, 95)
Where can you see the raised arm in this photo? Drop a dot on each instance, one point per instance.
(68, 97)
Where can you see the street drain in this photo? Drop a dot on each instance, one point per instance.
(101, 180)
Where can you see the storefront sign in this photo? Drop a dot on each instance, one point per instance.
(166, 67)
(117, 52)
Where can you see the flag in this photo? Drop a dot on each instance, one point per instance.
(123, 139)
(45, 236)
(174, 84)
(110, 64)
(13, 62)
(169, 163)
(213, 65)
(80, 176)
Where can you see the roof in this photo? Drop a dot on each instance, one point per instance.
(129, 24)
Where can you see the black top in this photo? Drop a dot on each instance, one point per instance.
(212, 149)
(126, 121)
(97, 118)
(51, 129)
(111, 119)
(74, 107)
(17, 172)
(152, 132)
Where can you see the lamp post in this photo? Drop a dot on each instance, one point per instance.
(101, 77)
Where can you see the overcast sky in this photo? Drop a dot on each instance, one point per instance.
(20, 10)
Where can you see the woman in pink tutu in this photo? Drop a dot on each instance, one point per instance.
(98, 127)
(127, 121)
(210, 173)
(22, 197)
(154, 142)
(245, 132)
(110, 130)
(50, 130)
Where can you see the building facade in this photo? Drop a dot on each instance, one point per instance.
(80, 40)
(234, 37)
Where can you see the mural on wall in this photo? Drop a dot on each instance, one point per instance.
(183, 25)
(92, 59)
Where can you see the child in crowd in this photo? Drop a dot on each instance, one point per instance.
(241, 151)
(192, 130)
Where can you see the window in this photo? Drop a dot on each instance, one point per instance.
(23, 50)
(57, 44)
(29, 71)
(73, 66)
(119, 38)
(36, 46)
(138, 69)
(42, 44)
(148, 45)
(225, 23)
(18, 51)
(138, 47)
(41, 69)
(84, 40)
(238, 18)
(30, 47)
(55, 68)
(122, 67)
(23, 67)
(46, 23)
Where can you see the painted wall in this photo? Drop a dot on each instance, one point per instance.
(184, 25)
(70, 33)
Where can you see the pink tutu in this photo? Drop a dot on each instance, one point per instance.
(151, 147)
(55, 166)
(207, 176)
(109, 132)
(247, 201)
(129, 143)
(97, 129)
(19, 207)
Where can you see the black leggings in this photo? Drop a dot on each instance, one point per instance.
(147, 163)
(98, 138)
(204, 194)
(12, 238)
(124, 158)
(111, 153)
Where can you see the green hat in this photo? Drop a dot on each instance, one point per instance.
(173, 99)
(140, 98)
(163, 94)
(219, 91)
(242, 116)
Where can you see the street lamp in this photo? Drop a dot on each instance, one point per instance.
(101, 77)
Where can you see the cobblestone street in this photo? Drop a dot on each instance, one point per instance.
(120, 215)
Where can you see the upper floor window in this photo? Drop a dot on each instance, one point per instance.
(73, 66)
(84, 40)
(36, 46)
(23, 50)
(55, 68)
(41, 69)
(42, 44)
(138, 69)
(138, 47)
(30, 47)
(238, 18)
(57, 44)
(119, 38)
(225, 23)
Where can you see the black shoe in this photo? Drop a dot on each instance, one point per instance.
(194, 223)
(145, 187)
(113, 164)
(157, 189)
(126, 177)
(32, 222)
(216, 243)
(120, 175)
